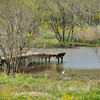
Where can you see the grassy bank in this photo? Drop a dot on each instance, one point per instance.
(82, 37)
(51, 43)
(46, 87)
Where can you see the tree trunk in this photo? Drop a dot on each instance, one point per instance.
(59, 38)
(72, 29)
(63, 24)
(72, 34)
(68, 36)
(63, 35)
(8, 68)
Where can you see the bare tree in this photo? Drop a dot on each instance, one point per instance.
(15, 22)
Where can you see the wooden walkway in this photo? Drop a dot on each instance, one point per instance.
(46, 55)
(36, 57)
(42, 55)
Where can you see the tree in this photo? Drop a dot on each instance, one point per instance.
(15, 22)
(55, 16)
(76, 17)
(64, 15)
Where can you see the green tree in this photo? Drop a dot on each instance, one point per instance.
(55, 16)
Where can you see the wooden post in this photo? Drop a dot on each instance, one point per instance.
(42, 60)
(38, 60)
(62, 59)
(55, 59)
(34, 60)
(49, 59)
(45, 59)
(58, 59)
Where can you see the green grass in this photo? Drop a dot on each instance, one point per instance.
(57, 87)
(53, 42)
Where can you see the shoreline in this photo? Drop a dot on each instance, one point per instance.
(64, 45)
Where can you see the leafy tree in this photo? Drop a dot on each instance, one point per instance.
(55, 16)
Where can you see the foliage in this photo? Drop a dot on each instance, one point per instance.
(31, 87)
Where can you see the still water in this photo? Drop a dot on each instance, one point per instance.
(80, 60)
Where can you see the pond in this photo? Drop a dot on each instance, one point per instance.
(79, 60)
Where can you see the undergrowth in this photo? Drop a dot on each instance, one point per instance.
(29, 87)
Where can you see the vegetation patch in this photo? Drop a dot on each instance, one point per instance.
(59, 87)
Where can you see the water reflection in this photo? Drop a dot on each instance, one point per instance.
(80, 60)
(46, 67)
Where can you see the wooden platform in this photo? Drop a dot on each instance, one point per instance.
(42, 55)
(47, 55)
(29, 58)
(36, 57)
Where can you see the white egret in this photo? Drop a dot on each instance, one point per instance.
(63, 72)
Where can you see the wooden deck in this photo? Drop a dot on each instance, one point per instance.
(37, 56)
(46, 55)
(42, 55)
